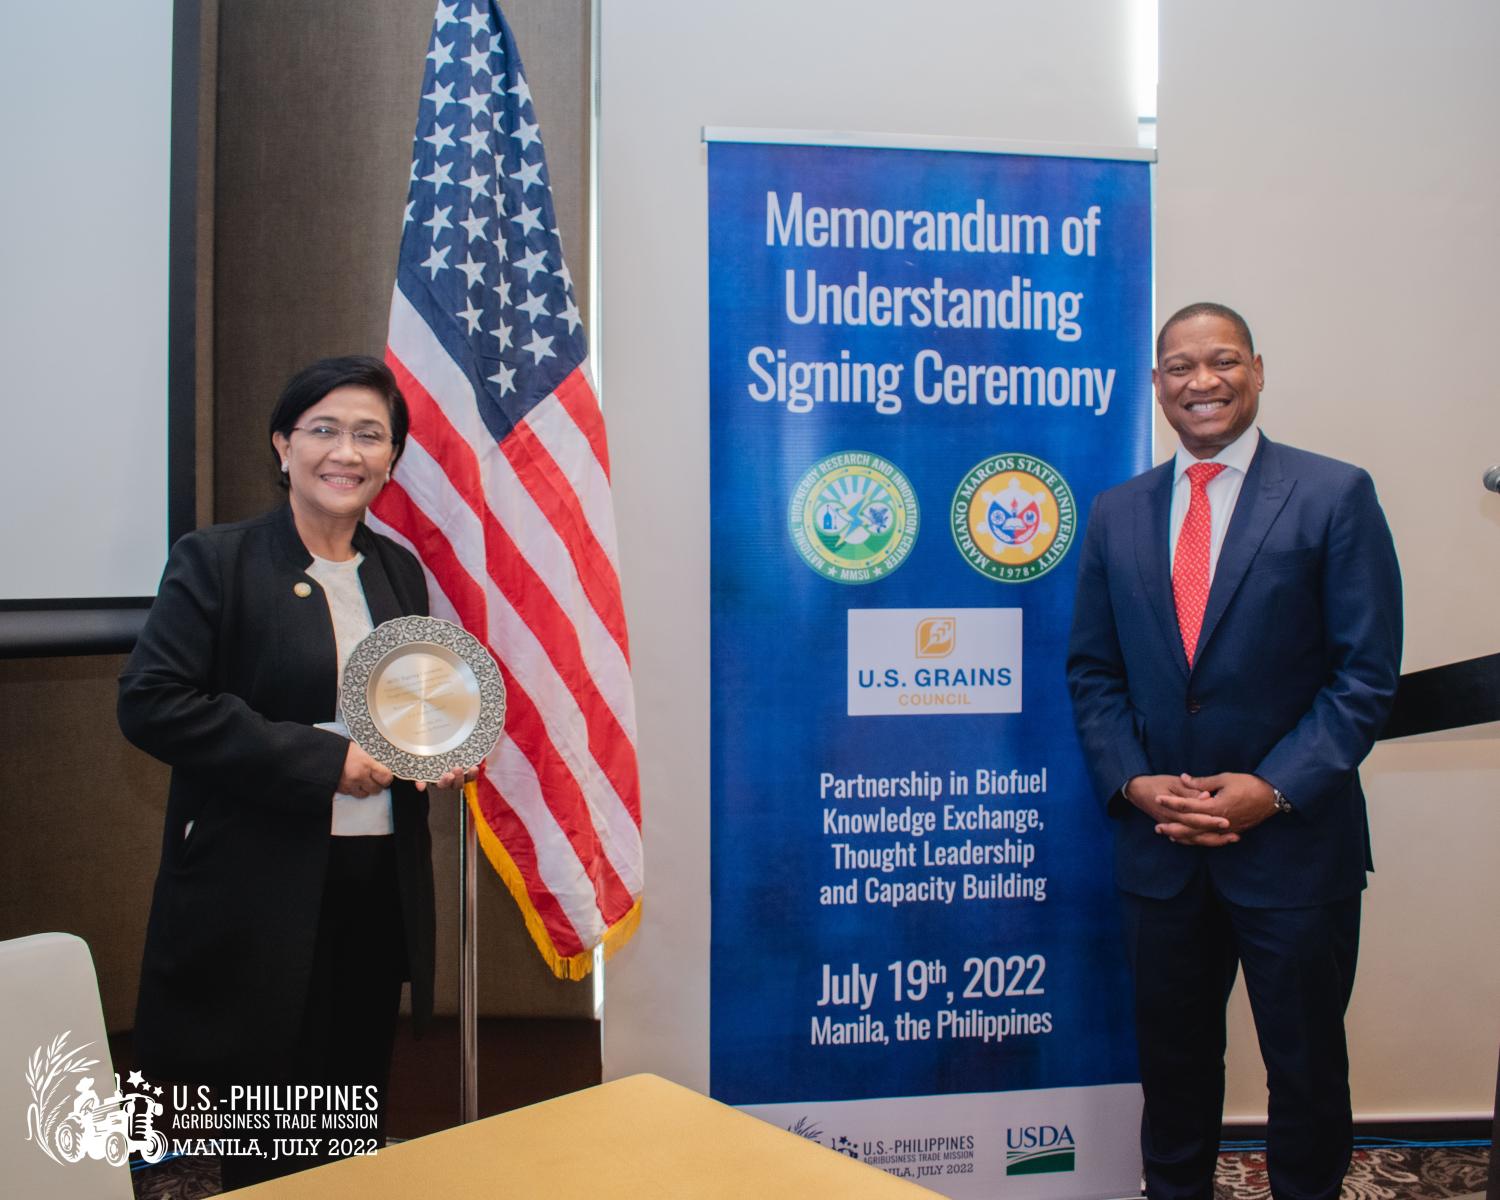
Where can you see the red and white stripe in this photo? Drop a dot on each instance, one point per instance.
(518, 541)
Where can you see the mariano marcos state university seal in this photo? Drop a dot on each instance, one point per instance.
(1013, 517)
(853, 517)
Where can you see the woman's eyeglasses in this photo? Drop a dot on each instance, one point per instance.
(331, 435)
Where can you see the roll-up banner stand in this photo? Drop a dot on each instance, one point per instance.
(926, 360)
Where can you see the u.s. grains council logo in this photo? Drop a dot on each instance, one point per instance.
(1013, 517)
(853, 517)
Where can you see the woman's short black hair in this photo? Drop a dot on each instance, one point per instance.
(312, 383)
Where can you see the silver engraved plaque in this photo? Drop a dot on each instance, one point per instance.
(423, 697)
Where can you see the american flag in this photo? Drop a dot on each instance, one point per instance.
(504, 491)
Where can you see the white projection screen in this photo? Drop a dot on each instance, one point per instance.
(87, 101)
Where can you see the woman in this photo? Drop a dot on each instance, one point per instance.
(295, 889)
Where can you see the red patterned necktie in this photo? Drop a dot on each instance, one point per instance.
(1190, 565)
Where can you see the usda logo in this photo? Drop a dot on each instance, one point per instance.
(1038, 1149)
(1013, 517)
(853, 517)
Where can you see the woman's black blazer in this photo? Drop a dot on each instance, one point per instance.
(234, 667)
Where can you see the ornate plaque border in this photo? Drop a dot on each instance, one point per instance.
(416, 632)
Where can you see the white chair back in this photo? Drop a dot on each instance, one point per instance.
(54, 1141)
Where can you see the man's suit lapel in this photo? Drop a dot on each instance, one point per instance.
(1262, 497)
(1153, 525)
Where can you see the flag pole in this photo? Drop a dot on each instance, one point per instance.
(468, 975)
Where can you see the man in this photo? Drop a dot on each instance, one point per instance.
(1235, 649)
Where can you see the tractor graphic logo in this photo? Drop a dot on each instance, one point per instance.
(68, 1119)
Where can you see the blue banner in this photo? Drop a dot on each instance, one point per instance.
(924, 364)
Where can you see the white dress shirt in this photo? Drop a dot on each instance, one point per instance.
(1223, 492)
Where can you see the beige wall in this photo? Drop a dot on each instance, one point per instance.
(307, 167)
(1331, 171)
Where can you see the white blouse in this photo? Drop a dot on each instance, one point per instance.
(353, 816)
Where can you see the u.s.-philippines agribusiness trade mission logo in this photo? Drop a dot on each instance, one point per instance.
(74, 1114)
(853, 517)
(1013, 517)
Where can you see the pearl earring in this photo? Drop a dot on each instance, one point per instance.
(284, 466)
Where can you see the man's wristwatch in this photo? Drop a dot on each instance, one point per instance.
(1283, 805)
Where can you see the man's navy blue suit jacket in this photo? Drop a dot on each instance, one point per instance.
(1295, 672)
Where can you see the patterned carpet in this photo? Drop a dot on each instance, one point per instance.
(1385, 1174)
(1391, 1173)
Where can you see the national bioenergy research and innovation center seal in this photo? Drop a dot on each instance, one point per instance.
(853, 517)
(1013, 517)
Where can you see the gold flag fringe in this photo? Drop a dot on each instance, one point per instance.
(564, 966)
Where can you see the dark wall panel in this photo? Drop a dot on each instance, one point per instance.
(317, 103)
(80, 818)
